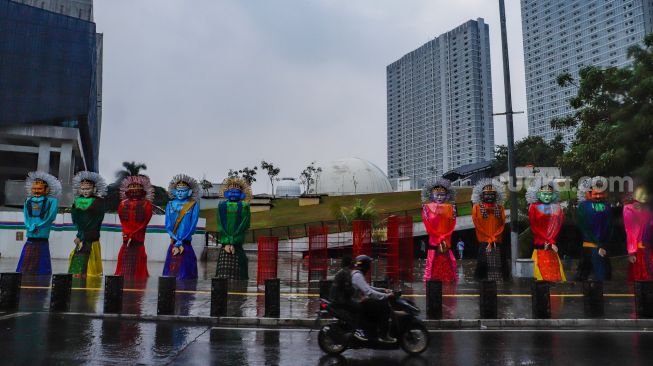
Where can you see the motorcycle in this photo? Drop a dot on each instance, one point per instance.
(337, 336)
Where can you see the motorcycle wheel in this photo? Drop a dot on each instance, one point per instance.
(415, 339)
(328, 344)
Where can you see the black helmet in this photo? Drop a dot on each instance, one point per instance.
(363, 263)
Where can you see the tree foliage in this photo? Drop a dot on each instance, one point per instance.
(246, 173)
(309, 177)
(531, 150)
(272, 172)
(613, 117)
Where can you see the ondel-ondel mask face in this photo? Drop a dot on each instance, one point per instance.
(183, 191)
(439, 195)
(86, 188)
(40, 188)
(546, 194)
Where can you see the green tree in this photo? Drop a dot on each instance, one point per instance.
(531, 150)
(233, 173)
(272, 172)
(246, 173)
(309, 176)
(613, 117)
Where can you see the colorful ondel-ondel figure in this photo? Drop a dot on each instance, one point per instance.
(638, 223)
(489, 217)
(545, 214)
(546, 217)
(439, 217)
(134, 212)
(233, 219)
(87, 213)
(182, 215)
(594, 219)
(39, 211)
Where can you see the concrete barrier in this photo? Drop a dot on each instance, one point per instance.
(10, 290)
(272, 298)
(60, 293)
(488, 300)
(434, 299)
(113, 286)
(219, 297)
(167, 294)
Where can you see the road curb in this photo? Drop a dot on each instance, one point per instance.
(540, 324)
(446, 324)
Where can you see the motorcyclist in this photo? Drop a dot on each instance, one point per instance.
(373, 301)
(342, 290)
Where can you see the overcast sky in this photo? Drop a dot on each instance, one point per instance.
(201, 86)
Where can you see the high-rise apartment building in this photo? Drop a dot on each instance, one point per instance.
(439, 105)
(563, 36)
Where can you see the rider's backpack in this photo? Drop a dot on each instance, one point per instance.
(342, 290)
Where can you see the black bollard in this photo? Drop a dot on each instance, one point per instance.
(167, 293)
(113, 286)
(593, 299)
(10, 290)
(488, 300)
(325, 289)
(644, 299)
(541, 300)
(219, 294)
(60, 293)
(272, 298)
(434, 299)
(381, 283)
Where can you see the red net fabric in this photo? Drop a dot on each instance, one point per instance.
(317, 252)
(268, 254)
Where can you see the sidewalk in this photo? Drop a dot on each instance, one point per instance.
(301, 301)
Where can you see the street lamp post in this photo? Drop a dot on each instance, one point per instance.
(512, 183)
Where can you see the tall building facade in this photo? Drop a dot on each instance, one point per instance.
(439, 105)
(80, 9)
(50, 91)
(562, 36)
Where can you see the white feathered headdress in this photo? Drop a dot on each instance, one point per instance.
(53, 183)
(98, 181)
(498, 187)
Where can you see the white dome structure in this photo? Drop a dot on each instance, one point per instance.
(351, 176)
(288, 187)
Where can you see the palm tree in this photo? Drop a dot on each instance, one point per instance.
(130, 168)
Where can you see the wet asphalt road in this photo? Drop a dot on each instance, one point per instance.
(51, 339)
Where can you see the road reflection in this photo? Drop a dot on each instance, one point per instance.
(372, 360)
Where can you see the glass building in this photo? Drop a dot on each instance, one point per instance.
(562, 36)
(50, 90)
(439, 105)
